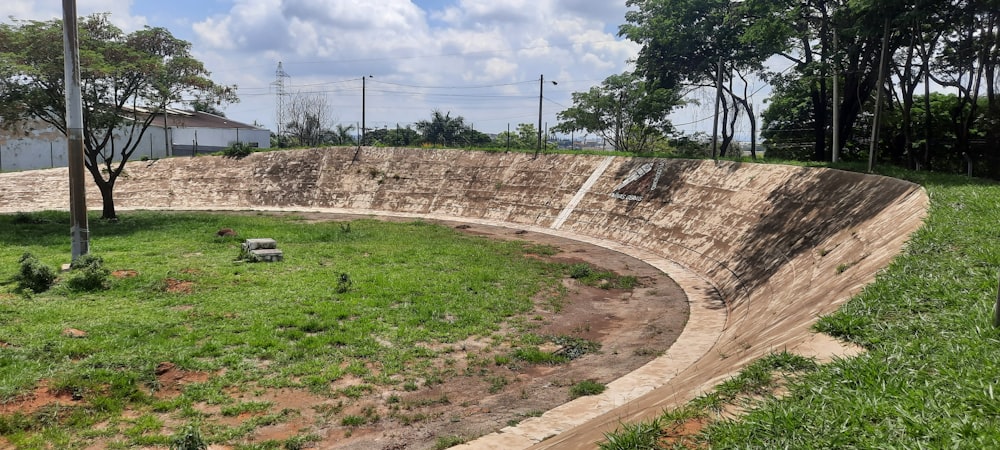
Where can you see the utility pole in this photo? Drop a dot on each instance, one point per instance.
(541, 89)
(79, 229)
(362, 140)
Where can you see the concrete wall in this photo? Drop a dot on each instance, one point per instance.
(39, 146)
(210, 140)
(778, 245)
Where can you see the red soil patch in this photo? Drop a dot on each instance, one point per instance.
(41, 397)
(176, 286)
(171, 380)
(125, 273)
(682, 435)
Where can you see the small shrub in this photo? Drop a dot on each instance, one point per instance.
(189, 438)
(238, 150)
(580, 270)
(352, 421)
(344, 283)
(533, 355)
(23, 218)
(586, 387)
(88, 274)
(34, 275)
(448, 441)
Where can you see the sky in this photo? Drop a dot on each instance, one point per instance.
(479, 59)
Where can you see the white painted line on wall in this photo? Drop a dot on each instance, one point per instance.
(561, 218)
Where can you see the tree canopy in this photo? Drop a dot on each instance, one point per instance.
(624, 110)
(127, 79)
(931, 44)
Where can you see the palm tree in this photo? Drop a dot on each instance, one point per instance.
(342, 135)
(442, 129)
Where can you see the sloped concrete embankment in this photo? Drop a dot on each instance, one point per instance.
(776, 246)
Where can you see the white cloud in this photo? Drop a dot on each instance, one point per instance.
(35, 10)
(421, 59)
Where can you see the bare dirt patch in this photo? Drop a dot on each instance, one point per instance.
(176, 286)
(41, 397)
(124, 273)
(170, 380)
(481, 392)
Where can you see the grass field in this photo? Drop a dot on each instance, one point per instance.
(370, 300)
(929, 378)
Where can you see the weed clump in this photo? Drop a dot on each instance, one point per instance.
(88, 274)
(580, 270)
(586, 387)
(34, 275)
(344, 283)
(188, 438)
(238, 150)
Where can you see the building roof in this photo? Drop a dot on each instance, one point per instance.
(197, 119)
(178, 118)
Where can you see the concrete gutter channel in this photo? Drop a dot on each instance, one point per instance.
(692, 224)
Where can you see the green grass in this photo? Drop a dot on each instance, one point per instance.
(930, 376)
(586, 387)
(298, 323)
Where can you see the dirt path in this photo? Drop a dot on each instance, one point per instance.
(632, 327)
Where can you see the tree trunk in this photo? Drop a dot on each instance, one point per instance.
(106, 186)
(108, 210)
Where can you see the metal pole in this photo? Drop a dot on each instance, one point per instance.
(166, 135)
(878, 96)
(79, 229)
(541, 88)
(362, 112)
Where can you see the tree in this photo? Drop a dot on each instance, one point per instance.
(694, 44)
(624, 110)
(402, 137)
(342, 135)
(442, 129)
(524, 137)
(308, 120)
(128, 80)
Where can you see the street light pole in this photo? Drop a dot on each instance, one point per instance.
(362, 141)
(79, 229)
(541, 89)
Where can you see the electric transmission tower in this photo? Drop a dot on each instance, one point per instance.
(279, 86)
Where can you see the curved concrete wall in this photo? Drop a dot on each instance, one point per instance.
(778, 245)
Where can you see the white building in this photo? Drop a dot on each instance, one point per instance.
(38, 145)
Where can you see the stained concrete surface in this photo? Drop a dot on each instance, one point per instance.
(761, 250)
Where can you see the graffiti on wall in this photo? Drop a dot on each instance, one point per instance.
(640, 182)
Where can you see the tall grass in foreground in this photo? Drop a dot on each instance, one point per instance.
(931, 376)
(181, 297)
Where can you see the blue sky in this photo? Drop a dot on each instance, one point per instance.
(480, 59)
